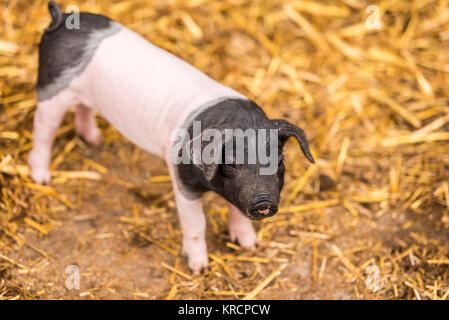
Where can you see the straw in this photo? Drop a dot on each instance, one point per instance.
(372, 101)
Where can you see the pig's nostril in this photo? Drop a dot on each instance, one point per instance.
(262, 206)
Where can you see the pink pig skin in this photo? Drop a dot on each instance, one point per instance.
(145, 93)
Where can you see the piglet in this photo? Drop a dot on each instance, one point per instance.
(166, 107)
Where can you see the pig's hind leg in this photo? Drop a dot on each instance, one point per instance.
(241, 229)
(86, 125)
(47, 119)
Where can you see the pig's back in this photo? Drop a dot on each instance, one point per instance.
(142, 90)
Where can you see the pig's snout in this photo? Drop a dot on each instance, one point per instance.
(262, 206)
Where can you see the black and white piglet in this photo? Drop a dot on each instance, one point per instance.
(146, 93)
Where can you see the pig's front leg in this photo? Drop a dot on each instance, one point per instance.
(241, 229)
(193, 226)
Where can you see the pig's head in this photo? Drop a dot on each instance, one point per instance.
(254, 184)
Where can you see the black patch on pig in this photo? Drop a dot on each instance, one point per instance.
(240, 189)
(230, 113)
(245, 183)
(63, 49)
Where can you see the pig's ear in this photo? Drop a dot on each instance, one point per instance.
(287, 130)
(209, 168)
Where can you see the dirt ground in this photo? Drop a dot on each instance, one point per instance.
(377, 199)
(102, 236)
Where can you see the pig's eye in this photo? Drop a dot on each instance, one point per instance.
(228, 170)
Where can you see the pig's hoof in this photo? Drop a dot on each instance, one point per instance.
(197, 264)
(39, 170)
(93, 138)
(196, 257)
(247, 238)
(40, 175)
